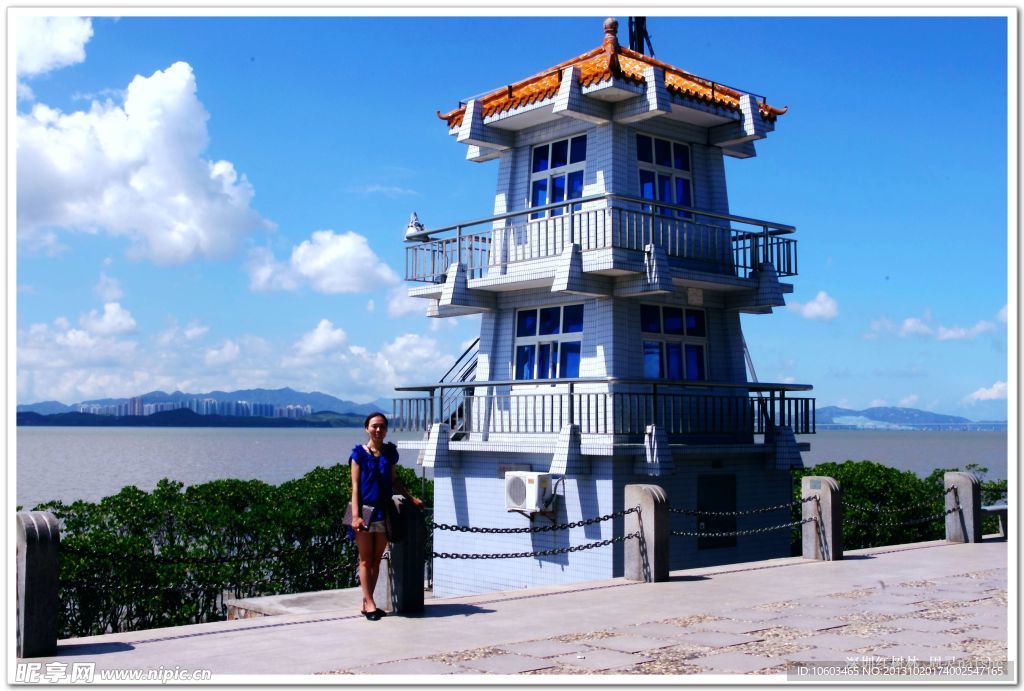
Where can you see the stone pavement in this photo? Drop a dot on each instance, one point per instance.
(927, 601)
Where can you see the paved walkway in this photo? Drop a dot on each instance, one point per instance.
(927, 601)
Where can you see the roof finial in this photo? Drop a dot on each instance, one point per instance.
(611, 30)
(611, 45)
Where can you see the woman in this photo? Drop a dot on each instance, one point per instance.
(374, 480)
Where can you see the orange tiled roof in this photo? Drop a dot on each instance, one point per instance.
(599, 65)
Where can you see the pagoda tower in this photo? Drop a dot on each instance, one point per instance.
(610, 280)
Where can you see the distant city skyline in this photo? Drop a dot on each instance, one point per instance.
(200, 406)
(218, 203)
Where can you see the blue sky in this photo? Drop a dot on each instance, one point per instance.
(218, 203)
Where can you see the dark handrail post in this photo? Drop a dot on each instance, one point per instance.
(782, 409)
(458, 244)
(765, 248)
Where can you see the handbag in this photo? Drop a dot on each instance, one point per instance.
(367, 513)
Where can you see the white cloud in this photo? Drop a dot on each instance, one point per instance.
(386, 190)
(108, 289)
(959, 333)
(266, 273)
(878, 403)
(114, 320)
(878, 327)
(922, 327)
(48, 43)
(371, 306)
(913, 326)
(178, 337)
(54, 358)
(195, 329)
(328, 262)
(909, 401)
(68, 362)
(401, 305)
(997, 391)
(221, 356)
(324, 338)
(821, 307)
(1001, 315)
(133, 170)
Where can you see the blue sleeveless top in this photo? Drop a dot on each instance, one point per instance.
(375, 476)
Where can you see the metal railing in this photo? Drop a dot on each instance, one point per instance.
(705, 240)
(452, 401)
(622, 407)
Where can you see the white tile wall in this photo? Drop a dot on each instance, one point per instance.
(473, 495)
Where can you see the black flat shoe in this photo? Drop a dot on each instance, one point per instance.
(375, 615)
(380, 613)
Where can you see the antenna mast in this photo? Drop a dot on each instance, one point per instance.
(638, 35)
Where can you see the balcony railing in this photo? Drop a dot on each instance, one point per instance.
(730, 412)
(717, 243)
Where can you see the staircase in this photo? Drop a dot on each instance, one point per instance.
(452, 403)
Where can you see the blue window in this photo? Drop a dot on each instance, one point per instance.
(695, 323)
(681, 157)
(526, 323)
(578, 152)
(572, 319)
(559, 153)
(539, 196)
(548, 342)
(569, 360)
(650, 318)
(549, 320)
(556, 174)
(662, 153)
(557, 194)
(540, 159)
(576, 188)
(547, 361)
(644, 149)
(525, 355)
(665, 175)
(694, 362)
(673, 320)
(674, 360)
(675, 342)
(652, 359)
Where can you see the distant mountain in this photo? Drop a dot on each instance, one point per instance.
(46, 408)
(892, 418)
(184, 418)
(316, 400)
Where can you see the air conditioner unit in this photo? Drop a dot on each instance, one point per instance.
(527, 491)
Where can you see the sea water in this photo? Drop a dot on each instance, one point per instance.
(89, 463)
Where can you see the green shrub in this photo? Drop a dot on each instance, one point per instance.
(886, 506)
(169, 557)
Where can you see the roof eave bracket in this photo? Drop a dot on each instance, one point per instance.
(654, 101)
(474, 131)
(571, 103)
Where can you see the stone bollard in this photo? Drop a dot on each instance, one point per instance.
(37, 603)
(963, 525)
(405, 572)
(646, 558)
(823, 538)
